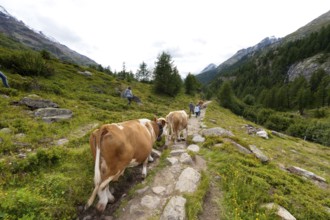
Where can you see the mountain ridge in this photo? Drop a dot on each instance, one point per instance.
(18, 30)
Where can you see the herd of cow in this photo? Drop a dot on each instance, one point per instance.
(117, 146)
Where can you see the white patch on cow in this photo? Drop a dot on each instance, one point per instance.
(97, 176)
(150, 159)
(144, 121)
(133, 163)
(149, 128)
(144, 168)
(111, 198)
(119, 126)
(103, 199)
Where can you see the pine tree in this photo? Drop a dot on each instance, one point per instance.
(167, 78)
(143, 74)
(191, 84)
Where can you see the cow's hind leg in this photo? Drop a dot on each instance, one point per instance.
(144, 168)
(111, 198)
(104, 192)
(150, 159)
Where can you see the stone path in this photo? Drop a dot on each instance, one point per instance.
(163, 197)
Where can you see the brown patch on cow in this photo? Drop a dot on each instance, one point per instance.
(131, 177)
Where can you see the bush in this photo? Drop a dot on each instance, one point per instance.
(297, 129)
(278, 122)
(249, 99)
(263, 115)
(319, 113)
(27, 63)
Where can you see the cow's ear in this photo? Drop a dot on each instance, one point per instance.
(163, 122)
(155, 119)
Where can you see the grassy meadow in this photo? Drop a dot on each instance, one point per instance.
(246, 183)
(52, 181)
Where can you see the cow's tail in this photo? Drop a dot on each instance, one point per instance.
(97, 172)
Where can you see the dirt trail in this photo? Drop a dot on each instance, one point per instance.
(150, 201)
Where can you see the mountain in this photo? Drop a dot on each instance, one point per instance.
(206, 76)
(209, 67)
(17, 30)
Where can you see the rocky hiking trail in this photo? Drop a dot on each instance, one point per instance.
(162, 197)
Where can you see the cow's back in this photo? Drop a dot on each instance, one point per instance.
(121, 144)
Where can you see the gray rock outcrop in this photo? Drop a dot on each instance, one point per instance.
(36, 103)
(217, 131)
(53, 114)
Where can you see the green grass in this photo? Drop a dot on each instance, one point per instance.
(52, 181)
(246, 183)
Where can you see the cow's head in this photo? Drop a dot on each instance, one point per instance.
(161, 122)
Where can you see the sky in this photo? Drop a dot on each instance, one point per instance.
(194, 32)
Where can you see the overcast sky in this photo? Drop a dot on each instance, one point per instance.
(194, 32)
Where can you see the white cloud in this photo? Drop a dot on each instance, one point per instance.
(195, 32)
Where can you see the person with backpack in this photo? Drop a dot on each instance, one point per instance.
(191, 109)
(197, 110)
(4, 79)
(128, 94)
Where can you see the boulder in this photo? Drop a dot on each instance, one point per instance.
(36, 102)
(305, 173)
(280, 211)
(175, 209)
(258, 153)
(217, 131)
(53, 114)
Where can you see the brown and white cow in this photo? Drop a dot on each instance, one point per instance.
(118, 146)
(177, 121)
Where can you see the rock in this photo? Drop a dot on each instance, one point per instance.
(35, 103)
(176, 152)
(262, 134)
(198, 139)
(53, 114)
(159, 190)
(172, 160)
(19, 136)
(150, 202)
(188, 180)
(217, 131)
(61, 142)
(5, 131)
(178, 146)
(186, 159)
(85, 73)
(258, 153)
(193, 148)
(278, 134)
(175, 209)
(305, 173)
(281, 212)
(22, 155)
(240, 148)
(143, 190)
(200, 163)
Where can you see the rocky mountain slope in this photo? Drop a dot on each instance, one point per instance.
(17, 30)
(302, 32)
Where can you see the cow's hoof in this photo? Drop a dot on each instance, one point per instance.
(100, 207)
(86, 207)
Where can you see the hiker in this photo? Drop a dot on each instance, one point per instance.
(128, 94)
(4, 79)
(197, 110)
(191, 109)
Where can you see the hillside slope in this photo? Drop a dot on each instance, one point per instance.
(18, 31)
